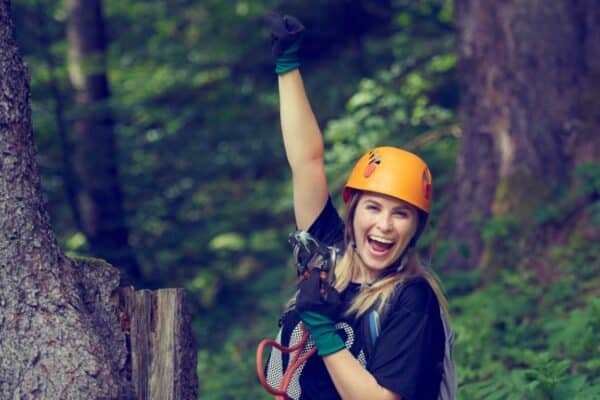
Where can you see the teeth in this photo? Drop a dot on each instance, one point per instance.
(381, 239)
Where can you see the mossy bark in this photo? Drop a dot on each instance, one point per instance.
(525, 67)
(515, 203)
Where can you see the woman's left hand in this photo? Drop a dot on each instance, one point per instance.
(317, 295)
(318, 305)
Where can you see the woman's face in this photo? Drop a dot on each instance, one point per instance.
(383, 227)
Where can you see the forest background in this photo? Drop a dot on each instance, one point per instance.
(184, 183)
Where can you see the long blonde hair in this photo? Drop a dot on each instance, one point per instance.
(379, 293)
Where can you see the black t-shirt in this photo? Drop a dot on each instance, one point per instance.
(408, 353)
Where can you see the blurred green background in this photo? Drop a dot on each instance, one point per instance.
(206, 189)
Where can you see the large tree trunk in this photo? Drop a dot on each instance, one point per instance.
(100, 194)
(55, 342)
(529, 72)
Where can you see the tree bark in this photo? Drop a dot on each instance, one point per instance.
(529, 110)
(163, 349)
(59, 335)
(100, 193)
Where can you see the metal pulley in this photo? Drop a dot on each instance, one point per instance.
(309, 253)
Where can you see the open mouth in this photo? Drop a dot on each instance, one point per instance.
(380, 244)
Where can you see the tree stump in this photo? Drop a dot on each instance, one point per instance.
(162, 348)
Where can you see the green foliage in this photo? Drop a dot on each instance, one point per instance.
(587, 184)
(550, 213)
(546, 379)
(499, 227)
(520, 340)
(589, 178)
(445, 247)
(589, 174)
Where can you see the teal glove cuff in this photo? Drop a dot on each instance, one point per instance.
(289, 60)
(322, 331)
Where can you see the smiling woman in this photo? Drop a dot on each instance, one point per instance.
(360, 354)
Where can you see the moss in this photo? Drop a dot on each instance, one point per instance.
(520, 194)
(83, 261)
(510, 233)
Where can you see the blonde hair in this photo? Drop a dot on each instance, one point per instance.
(379, 293)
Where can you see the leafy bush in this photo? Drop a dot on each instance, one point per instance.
(520, 340)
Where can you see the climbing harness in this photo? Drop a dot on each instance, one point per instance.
(308, 254)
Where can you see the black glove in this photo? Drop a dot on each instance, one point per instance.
(286, 35)
(317, 295)
(318, 306)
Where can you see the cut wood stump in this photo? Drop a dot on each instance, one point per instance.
(161, 344)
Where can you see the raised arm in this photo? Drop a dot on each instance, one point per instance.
(302, 136)
(304, 149)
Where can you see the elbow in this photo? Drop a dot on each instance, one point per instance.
(316, 156)
(310, 159)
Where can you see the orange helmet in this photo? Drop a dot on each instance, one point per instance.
(393, 172)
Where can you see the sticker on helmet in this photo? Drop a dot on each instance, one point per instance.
(373, 161)
(426, 184)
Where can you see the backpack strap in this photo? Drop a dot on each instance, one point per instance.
(373, 321)
(449, 384)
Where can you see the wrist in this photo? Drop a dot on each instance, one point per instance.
(323, 332)
(289, 59)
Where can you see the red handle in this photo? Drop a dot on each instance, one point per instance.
(299, 359)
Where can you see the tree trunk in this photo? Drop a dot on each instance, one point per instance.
(100, 194)
(529, 109)
(44, 42)
(55, 343)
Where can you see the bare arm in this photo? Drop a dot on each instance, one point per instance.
(353, 381)
(304, 149)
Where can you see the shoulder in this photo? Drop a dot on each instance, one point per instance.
(415, 295)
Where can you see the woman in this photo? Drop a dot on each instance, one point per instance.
(388, 199)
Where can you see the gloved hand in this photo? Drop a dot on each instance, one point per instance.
(286, 35)
(318, 305)
(316, 294)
